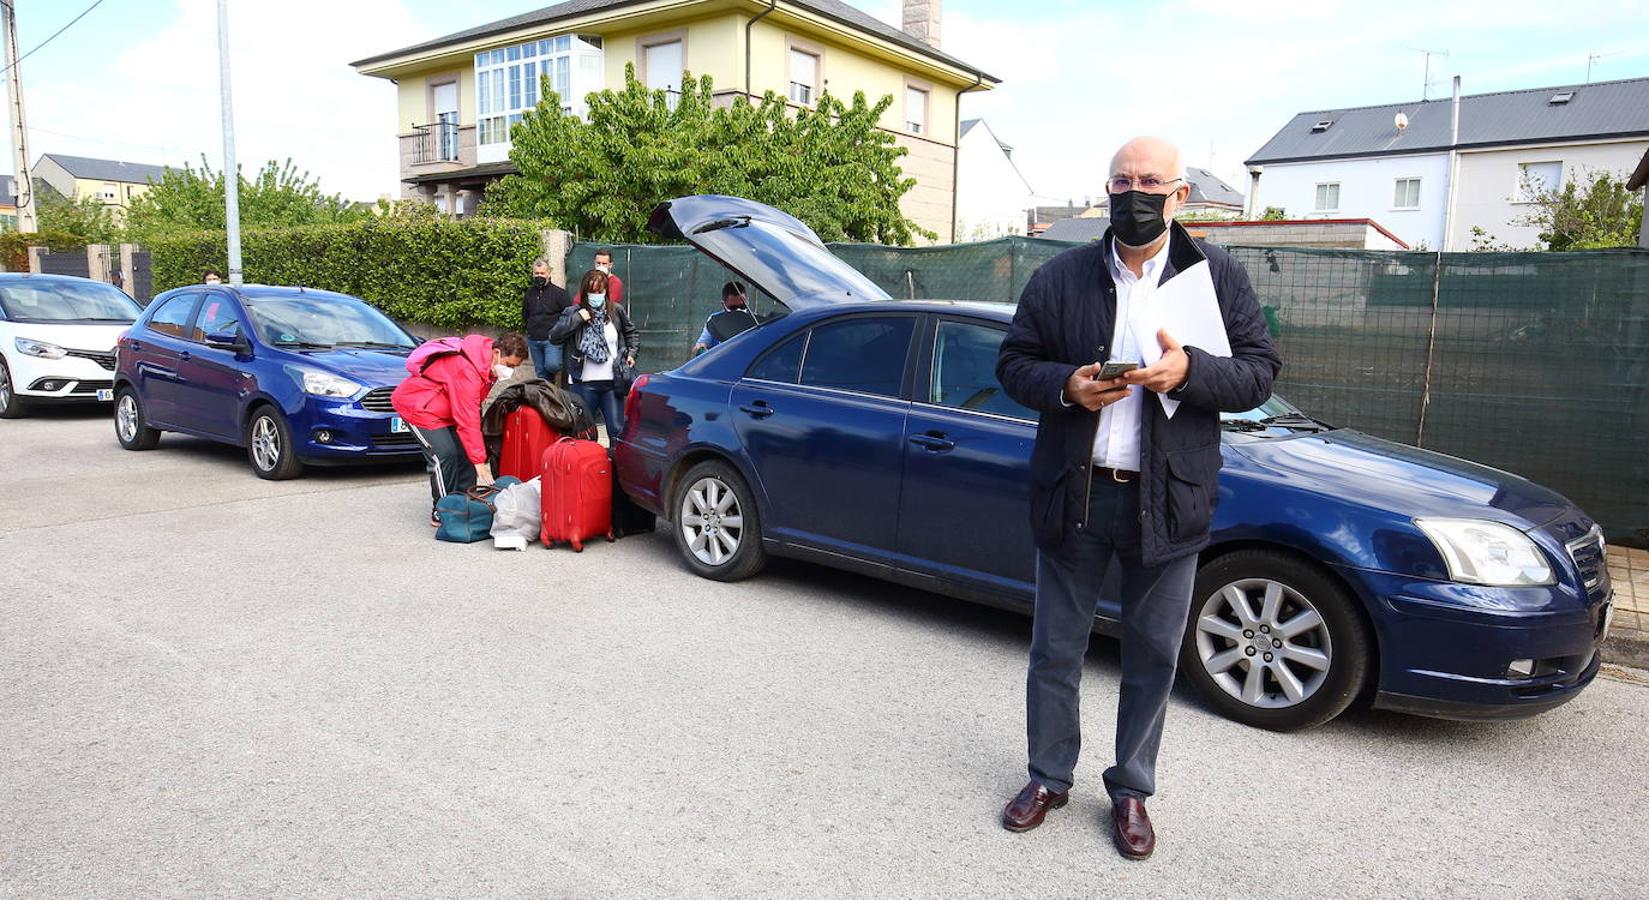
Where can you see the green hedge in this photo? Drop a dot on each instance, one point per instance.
(446, 273)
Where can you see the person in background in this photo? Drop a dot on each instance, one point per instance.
(211, 276)
(597, 337)
(615, 285)
(541, 305)
(733, 318)
(441, 401)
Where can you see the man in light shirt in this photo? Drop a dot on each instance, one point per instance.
(1124, 469)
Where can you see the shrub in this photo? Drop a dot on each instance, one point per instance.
(14, 246)
(441, 272)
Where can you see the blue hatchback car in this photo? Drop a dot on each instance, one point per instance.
(293, 374)
(871, 434)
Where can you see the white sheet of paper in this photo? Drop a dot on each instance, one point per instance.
(1187, 308)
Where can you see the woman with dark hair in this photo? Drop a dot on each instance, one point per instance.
(600, 345)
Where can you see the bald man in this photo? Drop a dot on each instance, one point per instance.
(1124, 468)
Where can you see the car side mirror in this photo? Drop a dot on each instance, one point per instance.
(228, 340)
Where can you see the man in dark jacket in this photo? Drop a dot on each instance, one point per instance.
(734, 318)
(1124, 469)
(541, 306)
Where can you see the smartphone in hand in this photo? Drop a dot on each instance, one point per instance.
(1115, 369)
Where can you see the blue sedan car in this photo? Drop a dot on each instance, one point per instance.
(294, 375)
(871, 434)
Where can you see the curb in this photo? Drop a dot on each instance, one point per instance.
(1627, 649)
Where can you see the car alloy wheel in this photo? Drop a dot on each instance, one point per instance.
(11, 405)
(266, 444)
(1264, 643)
(269, 446)
(717, 527)
(126, 417)
(131, 428)
(711, 521)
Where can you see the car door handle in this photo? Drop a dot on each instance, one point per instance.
(934, 442)
(185, 356)
(757, 410)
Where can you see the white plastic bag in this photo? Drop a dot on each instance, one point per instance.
(520, 513)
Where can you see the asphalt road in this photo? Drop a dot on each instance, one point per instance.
(211, 684)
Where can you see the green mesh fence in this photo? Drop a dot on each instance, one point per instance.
(1536, 363)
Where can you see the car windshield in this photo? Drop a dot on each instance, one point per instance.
(69, 302)
(318, 321)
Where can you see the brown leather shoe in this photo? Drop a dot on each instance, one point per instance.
(1031, 806)
(1131, 829)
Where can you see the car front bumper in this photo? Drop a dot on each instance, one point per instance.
(70, 379)
(332, 431)
(1446, 649)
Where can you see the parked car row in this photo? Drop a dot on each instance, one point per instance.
(871, 434)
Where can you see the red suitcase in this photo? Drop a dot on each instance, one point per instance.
(526, 437)
(578, 493)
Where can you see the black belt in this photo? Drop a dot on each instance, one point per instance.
(1120, 476)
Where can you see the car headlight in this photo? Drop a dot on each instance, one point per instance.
(40, 349)
(1478, 551)
(324, 384)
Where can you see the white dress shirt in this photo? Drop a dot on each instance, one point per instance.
(1116, 443)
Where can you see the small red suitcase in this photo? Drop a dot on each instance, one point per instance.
(577, 492)
(526, 437)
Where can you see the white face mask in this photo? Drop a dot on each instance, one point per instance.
(605, 267)
(502, 371)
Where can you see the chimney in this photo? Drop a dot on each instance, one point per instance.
(922, 21)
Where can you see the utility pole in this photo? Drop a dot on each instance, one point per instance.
(1425, 87)
(26, 220)
(231, 173)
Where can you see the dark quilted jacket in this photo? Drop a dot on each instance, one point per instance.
(1064, 321)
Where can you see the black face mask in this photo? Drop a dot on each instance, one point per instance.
(539, 281)
(1136, 217)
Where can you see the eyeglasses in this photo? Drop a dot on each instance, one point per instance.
(1122, 184)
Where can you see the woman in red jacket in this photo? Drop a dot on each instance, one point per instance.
(442, 404)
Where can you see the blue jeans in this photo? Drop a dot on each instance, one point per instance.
(1156, 601)
(546, 358)
(603, 404)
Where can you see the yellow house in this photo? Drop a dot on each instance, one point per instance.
(458, 95)
(113, 183)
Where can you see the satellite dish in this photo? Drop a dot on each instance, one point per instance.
(1402, 121)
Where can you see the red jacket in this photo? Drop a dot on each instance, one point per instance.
(448, 394)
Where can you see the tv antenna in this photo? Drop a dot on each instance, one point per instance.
(1425, 88)
(1592, 58)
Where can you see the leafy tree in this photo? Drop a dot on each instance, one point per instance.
(279, 194)
(86, 219)
(1590, 213)
(1274, 214)
(830, 166)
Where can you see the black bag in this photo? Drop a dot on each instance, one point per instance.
(624, 377)
(628, 516)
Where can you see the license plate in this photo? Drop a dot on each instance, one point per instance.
(398, 425)
(106, 395)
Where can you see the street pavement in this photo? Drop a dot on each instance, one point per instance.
(214, 685)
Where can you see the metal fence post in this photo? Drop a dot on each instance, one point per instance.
(1431, 351)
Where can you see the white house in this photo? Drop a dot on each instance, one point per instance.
(992, 195)
(1392, 162)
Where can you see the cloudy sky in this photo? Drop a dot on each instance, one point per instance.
(137, 79)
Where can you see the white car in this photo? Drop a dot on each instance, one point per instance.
(57, 339)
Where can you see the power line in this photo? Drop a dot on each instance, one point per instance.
(7, 4)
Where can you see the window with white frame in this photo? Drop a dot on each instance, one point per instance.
(804, 77)
(1536, 178)
(1328, 196)
(1406, 194)
(916, 110)
(663, 63)
(507, 80)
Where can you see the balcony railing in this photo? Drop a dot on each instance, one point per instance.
(437, 142)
